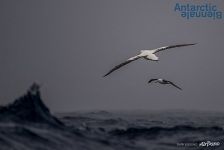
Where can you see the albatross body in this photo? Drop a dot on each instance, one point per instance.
(146, 54)
(163, 81)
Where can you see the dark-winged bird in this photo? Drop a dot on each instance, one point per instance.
(162, 81)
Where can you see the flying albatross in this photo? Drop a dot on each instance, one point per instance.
(147, 54)
(162, 81)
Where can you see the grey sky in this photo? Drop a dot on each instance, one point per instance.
(69, 45)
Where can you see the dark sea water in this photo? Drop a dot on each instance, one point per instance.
(150, 130)
(27, 124)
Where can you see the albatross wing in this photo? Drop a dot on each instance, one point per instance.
(172, 46)
(151, 80)
(175, 85)
(123, 64)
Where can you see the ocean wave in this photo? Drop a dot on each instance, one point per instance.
(29, 108)
(155, 131)
(27, 124)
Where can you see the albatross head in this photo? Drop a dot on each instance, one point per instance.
(160, 80)
(152, 57)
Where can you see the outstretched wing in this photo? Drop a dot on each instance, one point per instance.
(172, 46)
(151, 80)
(123, 64)
(175, 85)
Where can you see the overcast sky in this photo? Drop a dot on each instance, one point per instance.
(68, 45)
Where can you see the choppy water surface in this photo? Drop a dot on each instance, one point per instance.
(27, 124)
(168, 130)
